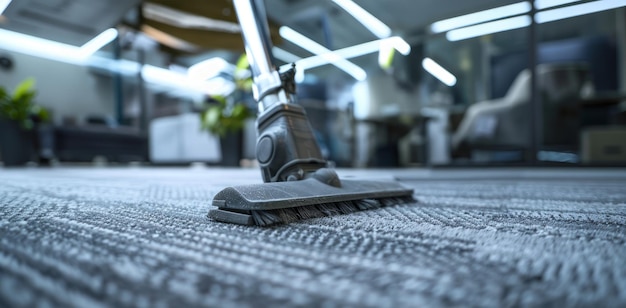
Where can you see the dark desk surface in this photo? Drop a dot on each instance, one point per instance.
(604, 100)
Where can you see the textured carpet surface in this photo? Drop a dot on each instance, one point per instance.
(140, 237)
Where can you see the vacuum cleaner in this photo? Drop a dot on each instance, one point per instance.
(297, 182)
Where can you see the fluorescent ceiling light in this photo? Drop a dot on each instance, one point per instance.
(482, 16)
(489, 28)
(3, 5)
(39, 47)
(439, 72)
(368, 20)
(385, 56)
(315, 48)
(380, 29)
(218, 86)
(121, 66)
(346, 53)
(171, 79)
(42, 48)
(398, 43)
(299, 78)
(544, 4)
(210, 68)
(577, 10)
(285, 55)
(97, 42)
(360, 49)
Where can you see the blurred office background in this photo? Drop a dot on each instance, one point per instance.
(412, 83)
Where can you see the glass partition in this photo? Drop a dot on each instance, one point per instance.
(576, 113)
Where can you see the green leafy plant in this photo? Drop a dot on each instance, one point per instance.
(20, 106)
(224, 115)
(221, 118)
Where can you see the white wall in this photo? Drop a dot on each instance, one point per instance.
(67, 89)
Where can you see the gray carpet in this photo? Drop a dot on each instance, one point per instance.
(140, 237)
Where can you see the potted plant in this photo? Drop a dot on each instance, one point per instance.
(226, 116)
(19, 116)
(222, 116)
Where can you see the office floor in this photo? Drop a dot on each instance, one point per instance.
(92, 237)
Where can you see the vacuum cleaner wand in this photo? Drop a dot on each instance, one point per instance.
(297, 183)
(281, 155)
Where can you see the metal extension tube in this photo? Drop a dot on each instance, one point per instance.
(286, 146)
(253, 22)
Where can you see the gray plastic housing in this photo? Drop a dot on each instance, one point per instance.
(286, 147)
(303, 198)
(270, 196)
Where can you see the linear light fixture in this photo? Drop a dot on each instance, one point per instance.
(358, 50)
(481, 16)
(43, 48)
(172, 79)
(316, 61)
(577, 10)
(544, 4)
(439, 72)
(40, 47)
(101, 40)
(400, 45)
(385, 56)
(374, 25)
(3, 5)
(489, 28)
(319, 60)
(209, 68)
(380, 29)
(285, 55)
(317, 49)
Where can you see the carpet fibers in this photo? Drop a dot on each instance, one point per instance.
(101, 237)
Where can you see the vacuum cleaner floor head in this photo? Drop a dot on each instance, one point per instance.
(284, 202)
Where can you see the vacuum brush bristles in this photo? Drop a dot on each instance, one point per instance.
(282, 216)
(285, 202)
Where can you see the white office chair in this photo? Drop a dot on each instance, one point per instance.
(504, 123)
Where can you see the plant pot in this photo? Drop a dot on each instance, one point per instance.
(232, 148)
(16, 144)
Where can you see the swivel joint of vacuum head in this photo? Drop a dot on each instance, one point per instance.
(286, 147)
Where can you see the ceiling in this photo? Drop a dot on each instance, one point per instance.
(404, 17)
(73, 22)
(195, 29)
(328, 24)
(321, 20)
(76, 21)
(208, 25)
